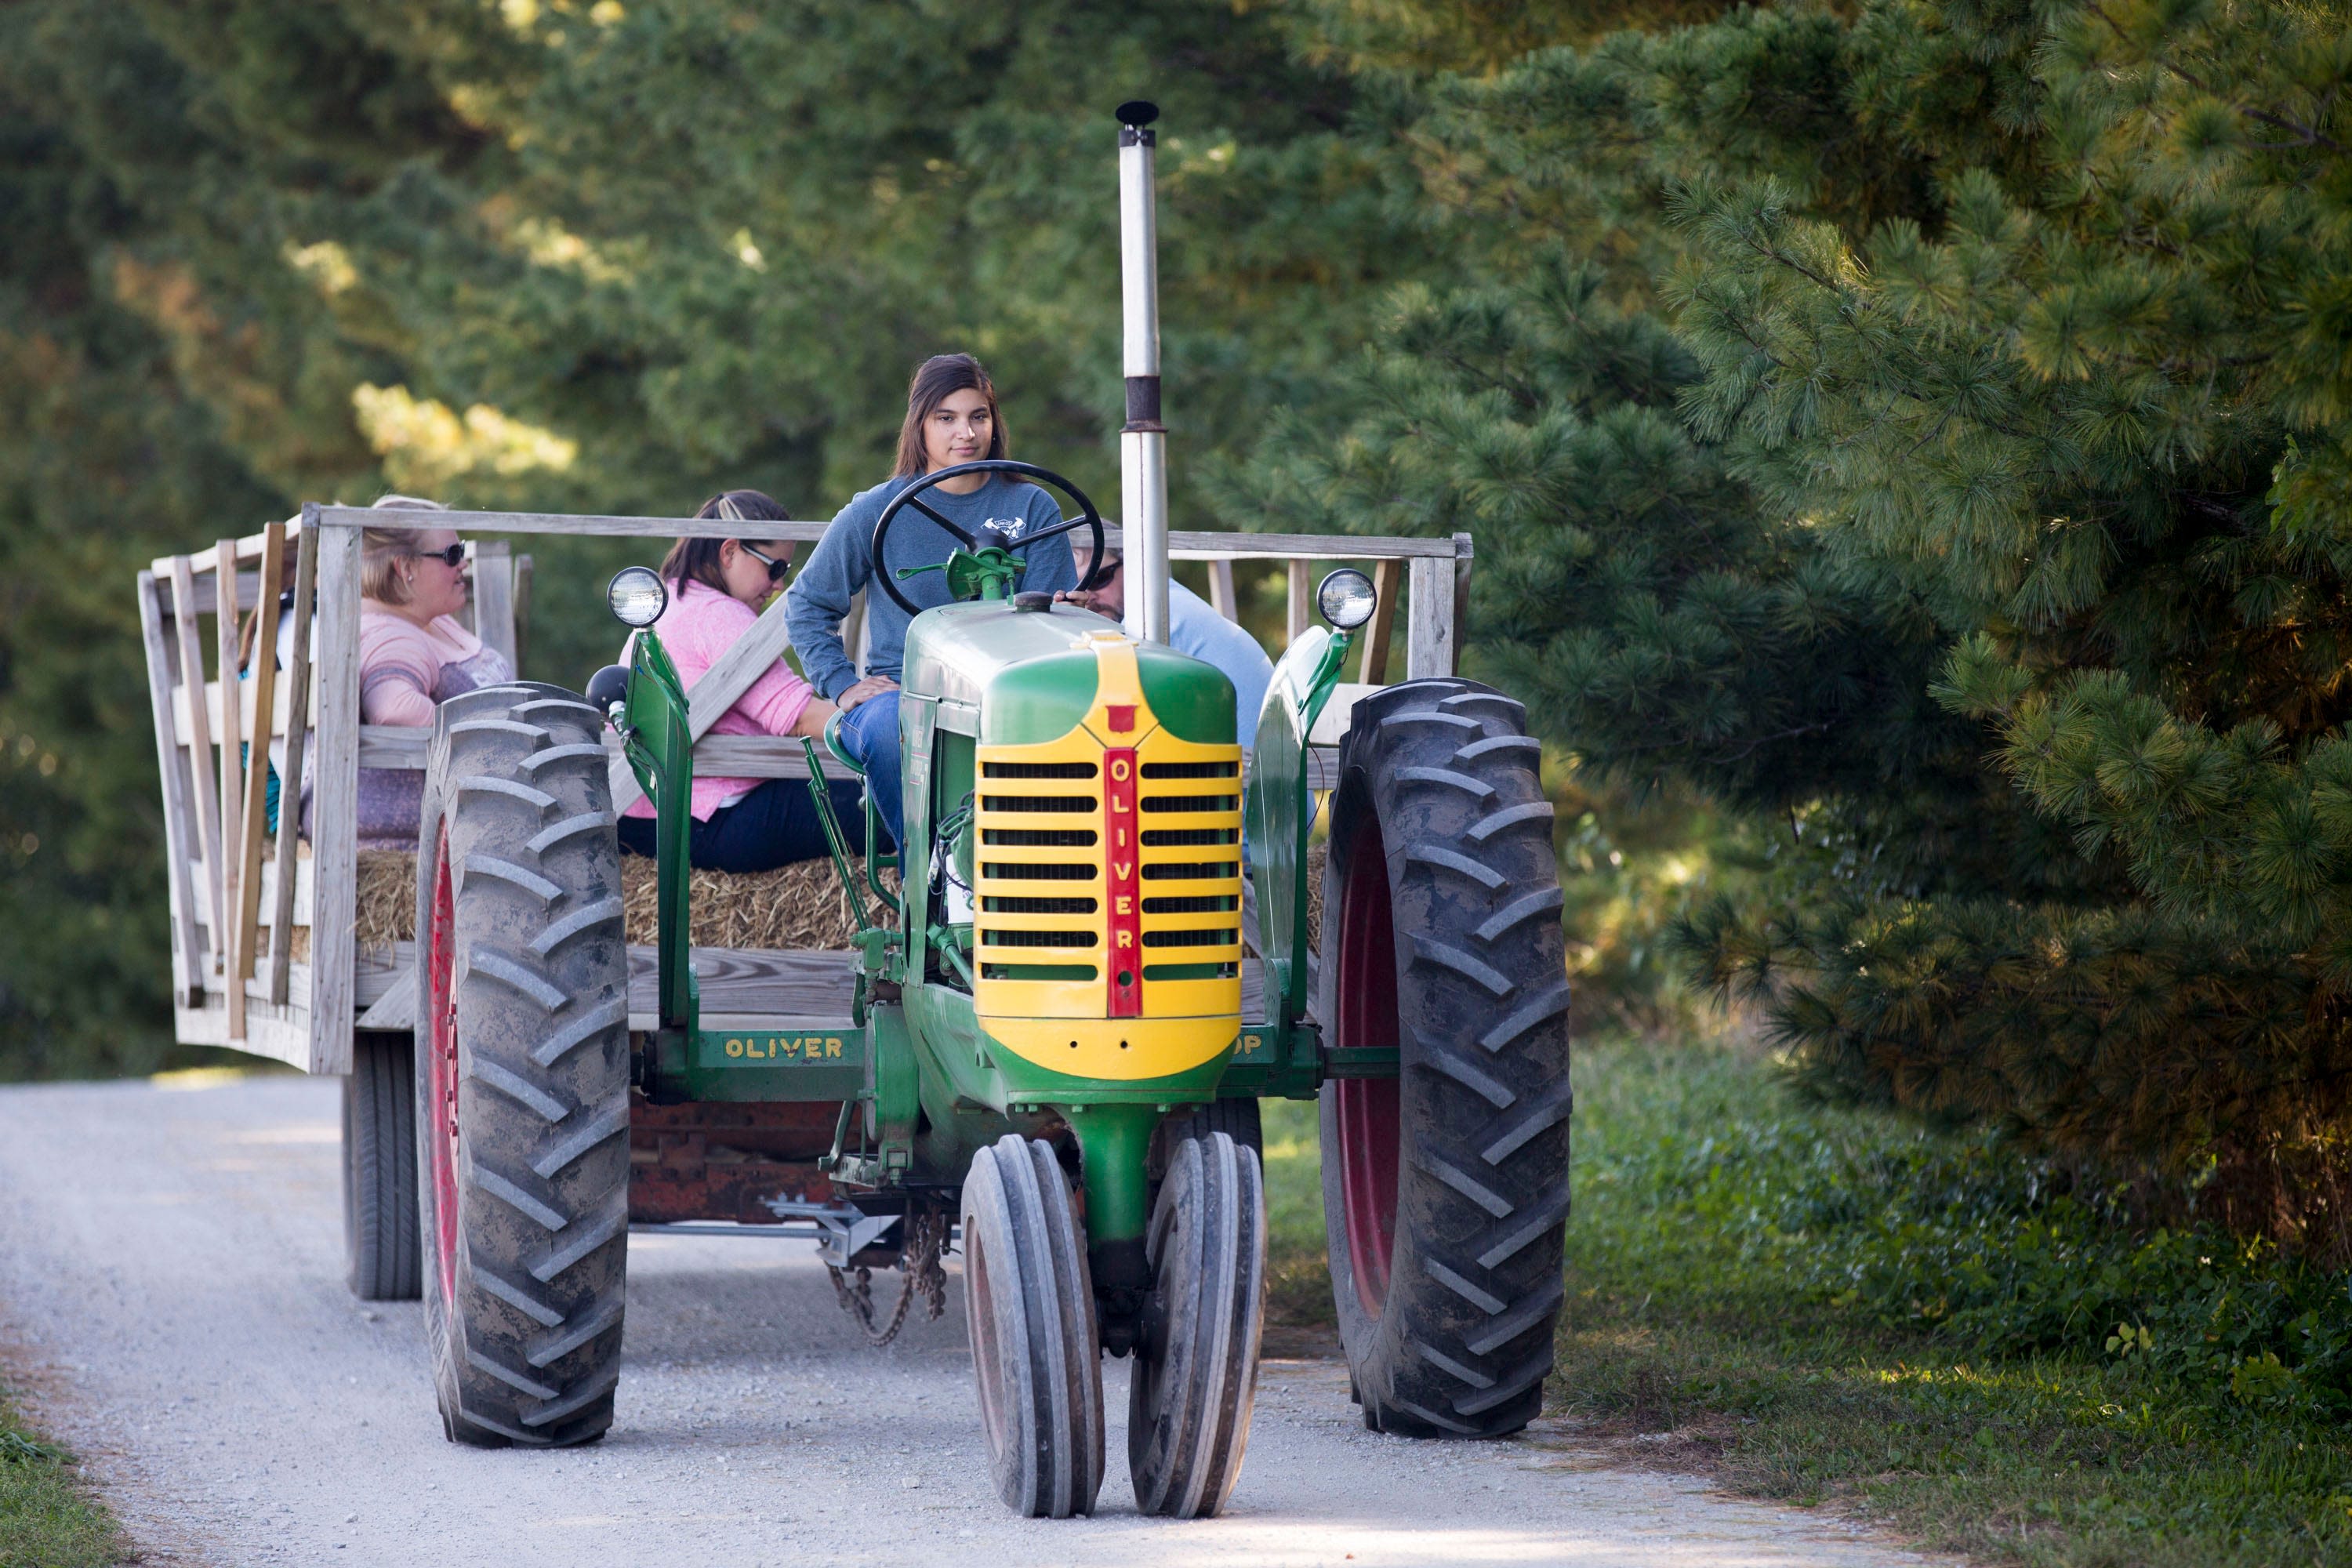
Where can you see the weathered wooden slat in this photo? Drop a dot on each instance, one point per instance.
(249, 718)
(1302, 601)
(188, 963)
(205, 596)
(305, 888)
(493, 598)
(285, 1039)
(232, 801)
(522, 610)
(1388, 578)
(715, 756)
(1429, 629)
(254, 811)
(335, 800)
(1464, 556)
(766, 981)
(1339, 711)
(289, 787)
(198, 738)
(1222, 597)
(1183, 546)
(244, 550)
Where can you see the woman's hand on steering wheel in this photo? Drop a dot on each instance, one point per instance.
(912, 497)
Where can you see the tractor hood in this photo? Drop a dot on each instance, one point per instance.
(1029, 676)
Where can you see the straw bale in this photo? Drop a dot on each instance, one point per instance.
(796, 906)
(1315, 895)
(386, 907)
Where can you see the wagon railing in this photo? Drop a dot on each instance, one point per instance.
(263, 950)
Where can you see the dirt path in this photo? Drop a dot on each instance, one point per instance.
(170, 1276)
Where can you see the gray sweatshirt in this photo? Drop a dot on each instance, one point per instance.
(843, 563)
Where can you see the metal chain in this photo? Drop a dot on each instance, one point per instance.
(926, 1245)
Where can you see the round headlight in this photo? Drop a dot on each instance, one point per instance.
(1346, 598)
(637, 596)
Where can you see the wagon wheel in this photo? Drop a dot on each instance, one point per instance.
(379, 1231)
(522, 1077)
(1195, 1378)
(1445, 1189)
(1029, 1304)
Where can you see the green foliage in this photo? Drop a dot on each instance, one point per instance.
(606, 257)
(47, 1518)
(1831, 1304)
(611, 258)
(103, 464)
(1924, 424)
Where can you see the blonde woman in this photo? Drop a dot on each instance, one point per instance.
(413, 655)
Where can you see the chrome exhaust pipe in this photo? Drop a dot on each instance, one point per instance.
(1143, 440)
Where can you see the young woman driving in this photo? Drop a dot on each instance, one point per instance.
(952, 419)
(717, 587)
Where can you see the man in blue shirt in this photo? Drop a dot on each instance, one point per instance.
(1194, 628)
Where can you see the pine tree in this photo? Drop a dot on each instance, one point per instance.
(1986, 518)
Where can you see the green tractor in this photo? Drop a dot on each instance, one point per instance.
(1051, 1064)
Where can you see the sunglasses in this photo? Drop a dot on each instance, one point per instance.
(453, 557)
(776, 569)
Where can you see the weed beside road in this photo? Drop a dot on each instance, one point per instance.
(48, 1518)
(1824, 1305)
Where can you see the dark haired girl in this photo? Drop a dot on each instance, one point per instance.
(716, 586)
(951, 417)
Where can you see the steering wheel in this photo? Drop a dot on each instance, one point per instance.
(987, 537)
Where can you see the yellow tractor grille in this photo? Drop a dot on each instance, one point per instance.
(1039, 895)
(1108, 878)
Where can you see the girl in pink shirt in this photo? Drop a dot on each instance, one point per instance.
(717, 587)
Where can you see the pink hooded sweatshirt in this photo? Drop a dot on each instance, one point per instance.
(700, 625)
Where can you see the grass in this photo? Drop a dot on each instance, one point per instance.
(1819, 1306)
(48, 1518)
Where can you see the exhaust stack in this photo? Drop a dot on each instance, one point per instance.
(1143, 440)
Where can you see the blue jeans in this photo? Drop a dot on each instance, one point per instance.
(774, 826)
(870, 733)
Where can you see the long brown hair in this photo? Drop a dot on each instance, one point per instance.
(697, 560)
(935, 379)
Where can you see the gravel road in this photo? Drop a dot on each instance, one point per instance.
(171, 1294)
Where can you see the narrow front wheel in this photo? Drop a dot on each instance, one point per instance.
(1195, 1378)
(1029, 1305)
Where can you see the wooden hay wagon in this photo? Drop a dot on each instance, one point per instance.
(301, 948)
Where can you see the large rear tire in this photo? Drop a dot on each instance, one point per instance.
(1195, 1377)
(523, 1081)
(380, 1230)
(1029, 1306)
(1445, 1189)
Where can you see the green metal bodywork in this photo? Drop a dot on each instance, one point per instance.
(924, 1085)
(1281, 1053)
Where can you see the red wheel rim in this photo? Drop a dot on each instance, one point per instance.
(441, 1068)
(1367, 1107)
